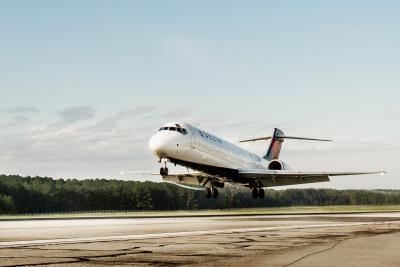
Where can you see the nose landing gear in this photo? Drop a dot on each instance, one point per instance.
(163, 170)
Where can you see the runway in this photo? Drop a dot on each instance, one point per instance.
(370, 239)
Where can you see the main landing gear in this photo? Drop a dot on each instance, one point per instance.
(258, 193)
(211, 192)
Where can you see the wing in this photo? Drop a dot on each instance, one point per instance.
(183, 179)
(270, 178)
(191, 178)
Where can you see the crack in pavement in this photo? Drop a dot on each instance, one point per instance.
(44, 263)
(255, 241)
(72, 259)
(24, 243)
(77, 249)
(314, 253)
(358, 233)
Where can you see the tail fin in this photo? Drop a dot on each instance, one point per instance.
(276, 143)
(275, 146)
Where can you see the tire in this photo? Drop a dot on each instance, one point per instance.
(254, 193)
(208, 192)
(214, 192)
(162, 171)
(166, 171)
(261, 193)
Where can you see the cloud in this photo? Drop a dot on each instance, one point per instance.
(111, 122)
(105, 146)
(104, 143)
(73, 150)
(341, 146)
(134, 112)
(20, 113)
(21, 118)
(74, 114)
(20, 110)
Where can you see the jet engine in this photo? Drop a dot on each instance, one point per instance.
(277, 165)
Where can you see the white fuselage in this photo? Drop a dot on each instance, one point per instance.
(188, 144)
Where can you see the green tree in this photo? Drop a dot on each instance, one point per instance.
(6, 204)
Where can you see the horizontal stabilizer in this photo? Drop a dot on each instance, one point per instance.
(256, 139)
(284, 137)
(305, 138)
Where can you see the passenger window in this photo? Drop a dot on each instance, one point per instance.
(179, 130)
(172, 128)
(161, 129)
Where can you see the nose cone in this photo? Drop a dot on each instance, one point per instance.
(154, 144)
(159, 145)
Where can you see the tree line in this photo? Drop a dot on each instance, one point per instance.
(44, 195)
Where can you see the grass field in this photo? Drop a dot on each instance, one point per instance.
(231, 212)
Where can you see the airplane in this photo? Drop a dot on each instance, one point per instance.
(216, 162)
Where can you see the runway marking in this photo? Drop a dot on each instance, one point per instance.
(25, 243)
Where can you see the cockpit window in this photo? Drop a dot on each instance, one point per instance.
(178, 129)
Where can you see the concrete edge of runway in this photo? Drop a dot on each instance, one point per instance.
(118, 216)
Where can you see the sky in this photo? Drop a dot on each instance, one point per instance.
(84, 84)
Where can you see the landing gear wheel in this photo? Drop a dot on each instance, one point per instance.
(163, 171)
(254, 193)
(214, 192)
(261, 193)
(208, 192)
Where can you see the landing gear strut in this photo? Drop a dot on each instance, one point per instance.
(258, 192)
(211, 192)
(214, 192)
